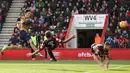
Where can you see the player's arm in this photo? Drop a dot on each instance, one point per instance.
(97, 60)
(67, 40)
(107, 60)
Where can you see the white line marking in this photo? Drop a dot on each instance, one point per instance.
(109, 68)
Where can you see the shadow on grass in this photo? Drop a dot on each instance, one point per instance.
(119, 70)
(65, 70)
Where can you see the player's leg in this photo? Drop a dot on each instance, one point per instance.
(5, 47)
(34, 47)
(26, 37)
(107, 62)
(33, 56)
(52, 57)
(15, 47)
(45, 53)
(95, 55)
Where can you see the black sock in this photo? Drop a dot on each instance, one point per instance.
(52, 56)
(2, 53)
(33, 56)
(45, 54)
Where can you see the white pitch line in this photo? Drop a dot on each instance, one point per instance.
(109, 68)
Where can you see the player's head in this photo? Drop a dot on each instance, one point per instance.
(33, 34)
(107, 45)
(27, 13)
(48, 34)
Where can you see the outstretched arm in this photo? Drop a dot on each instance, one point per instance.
(96, 59)
(67, 40)
(107, 62)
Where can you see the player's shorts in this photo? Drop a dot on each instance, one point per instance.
(24, 36)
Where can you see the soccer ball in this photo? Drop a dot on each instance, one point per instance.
(123, 24)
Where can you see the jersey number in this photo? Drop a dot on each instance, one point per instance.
(51, 43)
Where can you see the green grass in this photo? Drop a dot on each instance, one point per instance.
(62, 66)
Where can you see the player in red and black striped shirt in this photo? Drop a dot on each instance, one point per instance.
(50, 44)
(101, 51)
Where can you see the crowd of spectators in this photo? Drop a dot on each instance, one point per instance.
(119, 37)
(54, 15)
(4, 7)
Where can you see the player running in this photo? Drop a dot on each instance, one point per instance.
(50, 44)
(102, 52)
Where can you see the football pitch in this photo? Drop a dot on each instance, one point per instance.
(62, 66)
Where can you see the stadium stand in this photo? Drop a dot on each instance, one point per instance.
(4, 8)
(55, 15)
(10, 13)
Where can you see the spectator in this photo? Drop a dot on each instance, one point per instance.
(42, 19)
(25, 6)
(65, 4)
(109, 39)
(74, 11)
(41, 3)
(115, 43)
(53, 5)
(48, 18)
(82, 11)
(122, 42)
(125, 34)
(70, 6)
(108, 32)
(13, 40)
(49, 11)
(53, 21)
(128, 44)
(58, 6)
(60, 18)
(96, 11)
(78, 6)
(29, 2)
(80, 3)
(97, 39)
(67, 12)
(36, 20)
(111, 27)
(57, 13)
(32, 7)
(37, 13)
(1, 15)
(40, 7)
(89, 11)
(66, 21)
(43, 12)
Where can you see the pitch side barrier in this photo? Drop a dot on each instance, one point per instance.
(67, 54)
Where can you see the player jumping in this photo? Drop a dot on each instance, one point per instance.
(50, 44)
(25, 23)
(102, 52)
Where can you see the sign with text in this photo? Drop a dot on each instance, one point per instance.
(66, 54)
(89, 20)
